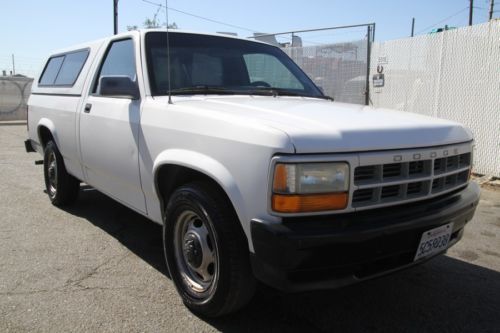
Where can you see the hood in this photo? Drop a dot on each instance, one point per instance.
(320, 126)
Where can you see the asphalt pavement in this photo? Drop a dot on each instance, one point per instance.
(98, 267)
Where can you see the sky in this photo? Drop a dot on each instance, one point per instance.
(32, 29)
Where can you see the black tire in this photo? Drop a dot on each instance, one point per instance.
(61, 187)
(230, 285)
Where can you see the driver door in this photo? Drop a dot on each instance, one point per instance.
(109, 132)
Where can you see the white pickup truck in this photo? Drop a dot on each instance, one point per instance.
(254, 174)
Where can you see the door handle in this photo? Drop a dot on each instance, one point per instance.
(87, 108)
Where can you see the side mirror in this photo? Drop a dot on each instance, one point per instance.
(118, 86)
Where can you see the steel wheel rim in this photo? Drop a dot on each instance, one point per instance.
(52, 173)
(196, 254)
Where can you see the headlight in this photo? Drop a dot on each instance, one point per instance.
(310, 187)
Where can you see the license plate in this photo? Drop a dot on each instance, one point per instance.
(434, 241)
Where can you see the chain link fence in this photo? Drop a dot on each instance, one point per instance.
(453, 75)
(336, 59)
(14, 93)
(340, 69)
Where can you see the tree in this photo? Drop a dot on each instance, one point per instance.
(151, 23)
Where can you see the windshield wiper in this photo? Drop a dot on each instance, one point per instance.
(202, 89)
(271, 91)
(266, 91)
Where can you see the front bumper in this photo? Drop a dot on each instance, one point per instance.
(309, 253)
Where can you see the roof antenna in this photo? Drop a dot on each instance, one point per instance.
(168, 56)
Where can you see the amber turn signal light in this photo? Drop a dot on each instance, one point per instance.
(286, 203)
(280, 178)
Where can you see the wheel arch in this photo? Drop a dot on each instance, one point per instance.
(174, 168)
(46, 131)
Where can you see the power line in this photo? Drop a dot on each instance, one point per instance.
(198, 16)
(212, 20)
(444, 20)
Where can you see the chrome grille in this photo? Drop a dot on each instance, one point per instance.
(364, 173)
(389, 191)
(416, 168)
(390, 183)
(392, 170)
(414, 188)
(363, 195)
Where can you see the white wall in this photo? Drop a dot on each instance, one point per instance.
(14, 94)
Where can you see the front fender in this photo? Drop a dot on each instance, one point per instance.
(206, 165)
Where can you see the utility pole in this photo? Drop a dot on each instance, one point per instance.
(412, 26)
(13, 65)
(471, 6)
(368, 55)
(115, 16)
(492, 4)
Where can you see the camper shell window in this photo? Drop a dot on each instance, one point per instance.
(63, 70)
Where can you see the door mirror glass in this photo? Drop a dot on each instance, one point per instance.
(118, 86)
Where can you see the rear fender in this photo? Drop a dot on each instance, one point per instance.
(45, 122)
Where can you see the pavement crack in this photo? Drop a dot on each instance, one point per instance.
(87, 288)
(78, 282)
(30, 292)
(61, 290)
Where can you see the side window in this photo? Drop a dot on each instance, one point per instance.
(51, 69)
(268, 69)
(119, 60)
(71, 67)
(63, 70)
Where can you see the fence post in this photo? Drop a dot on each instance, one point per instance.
(368, 55)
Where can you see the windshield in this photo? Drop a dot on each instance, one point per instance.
(202, 64)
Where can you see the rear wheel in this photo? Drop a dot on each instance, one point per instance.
(206, 251)
(62, 187)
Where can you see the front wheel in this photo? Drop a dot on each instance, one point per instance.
(206, 251)
(62, 187)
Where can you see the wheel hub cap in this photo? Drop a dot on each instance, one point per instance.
(193, 250)
(196, 254)
(52, 173)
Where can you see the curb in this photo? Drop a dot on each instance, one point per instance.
(489, 181)
(12, 122)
